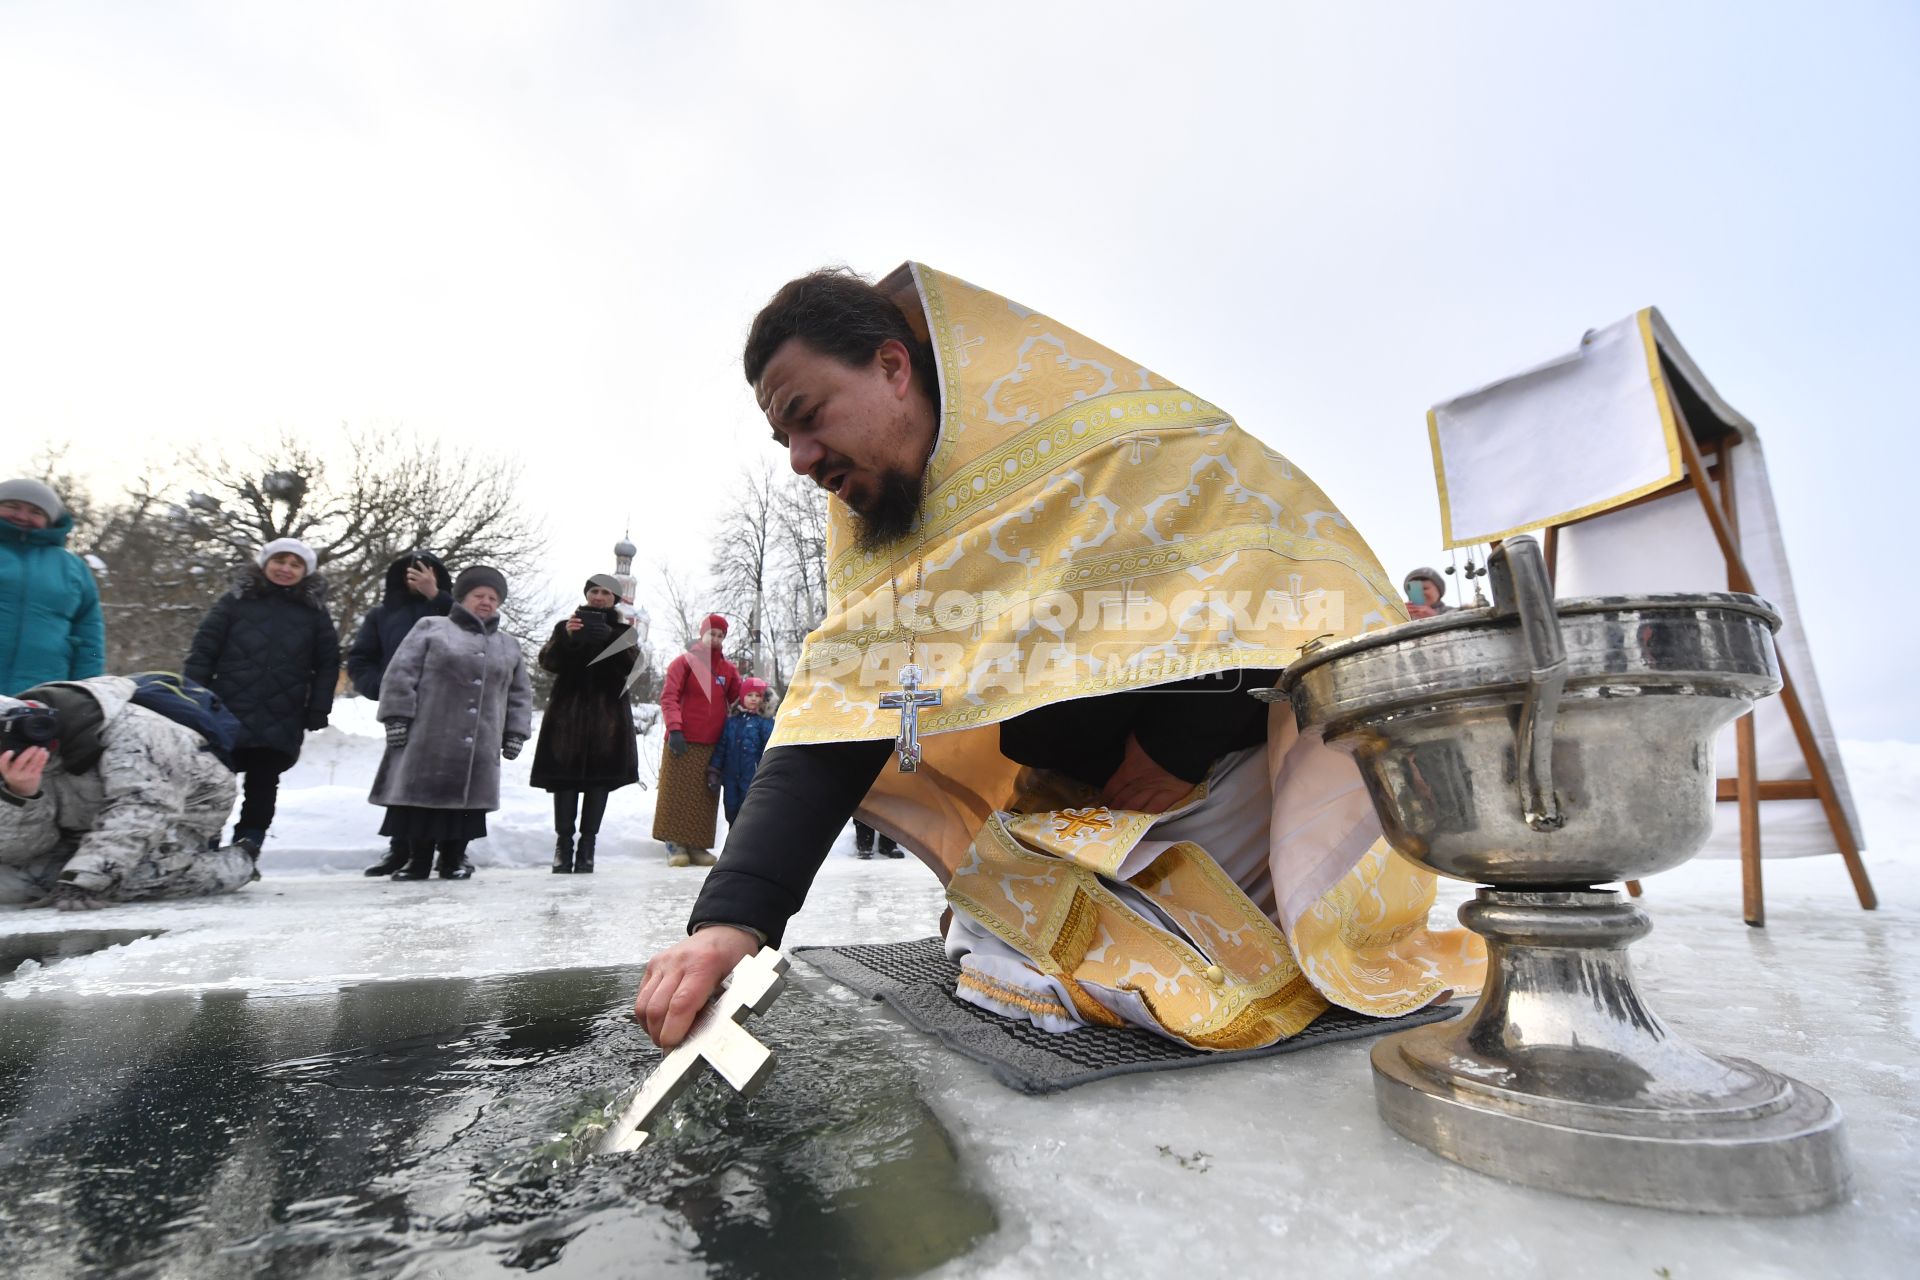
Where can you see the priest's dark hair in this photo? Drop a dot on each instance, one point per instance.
(838, 313)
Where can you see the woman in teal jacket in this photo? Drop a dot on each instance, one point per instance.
(50, 627)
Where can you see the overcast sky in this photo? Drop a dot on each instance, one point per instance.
(543, 228)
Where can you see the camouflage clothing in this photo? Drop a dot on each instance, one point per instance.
(134, 824)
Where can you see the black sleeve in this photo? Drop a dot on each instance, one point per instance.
(326, 666)
(363, 659)
(556, 655)
(209, 642)
(800, 800)
(1185, 727)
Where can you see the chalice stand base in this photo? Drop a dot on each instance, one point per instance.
(1561, 1078)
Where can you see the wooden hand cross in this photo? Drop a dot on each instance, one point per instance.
(716, 1038)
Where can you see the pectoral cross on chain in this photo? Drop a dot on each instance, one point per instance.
(715, 1037)
(908, 699)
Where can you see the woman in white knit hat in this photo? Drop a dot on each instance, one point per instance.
(269, 649)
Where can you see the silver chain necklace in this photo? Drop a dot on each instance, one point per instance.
(910, 697)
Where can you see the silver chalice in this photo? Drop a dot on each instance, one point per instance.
(1542, 752)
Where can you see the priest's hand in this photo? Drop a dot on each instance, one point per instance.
(1141, 785)
(681, 979)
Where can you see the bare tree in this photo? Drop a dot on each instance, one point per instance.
(743, 568)
(800, 543)
(49, 467)
(399, 493)
(769, 568)
(174, 543)
(157, 580)
(679, 599)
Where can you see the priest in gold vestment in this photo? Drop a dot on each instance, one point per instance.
(1054, 577)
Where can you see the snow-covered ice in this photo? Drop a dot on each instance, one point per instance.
(1279, 1165)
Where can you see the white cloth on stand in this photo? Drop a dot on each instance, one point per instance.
(1668, 545)
(1575, 437)
(1578, 434)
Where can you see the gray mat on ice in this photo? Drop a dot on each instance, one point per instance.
(917, 980)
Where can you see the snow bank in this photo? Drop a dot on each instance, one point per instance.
(324, 822)
(1885, 777)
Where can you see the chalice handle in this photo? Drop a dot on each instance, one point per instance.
(1520, 587)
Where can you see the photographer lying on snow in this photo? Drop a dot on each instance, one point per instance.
(102, 801)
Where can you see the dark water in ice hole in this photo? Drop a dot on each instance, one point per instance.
(391, 1129)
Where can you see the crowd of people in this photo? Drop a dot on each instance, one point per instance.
(117, 788)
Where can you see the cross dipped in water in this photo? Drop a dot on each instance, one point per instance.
(716, 1038)
(908, 699)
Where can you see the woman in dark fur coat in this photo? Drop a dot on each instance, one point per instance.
(586, 748)
(270, 651)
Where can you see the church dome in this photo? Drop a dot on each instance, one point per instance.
(625, 548)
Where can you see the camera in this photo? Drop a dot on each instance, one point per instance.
(27, 724)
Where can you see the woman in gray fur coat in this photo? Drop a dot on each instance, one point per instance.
(454, 700)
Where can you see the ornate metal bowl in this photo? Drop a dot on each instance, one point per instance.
(1502, 750)
(1542, 753)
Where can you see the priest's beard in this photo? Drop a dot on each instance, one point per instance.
(891, 516)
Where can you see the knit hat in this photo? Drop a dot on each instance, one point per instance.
(715, 622)
(1428, 575)
(479, 575)
(752, 684)
(606, 582)
(291, 545)
(34, 492)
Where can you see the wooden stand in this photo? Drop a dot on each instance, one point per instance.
(1747, 787)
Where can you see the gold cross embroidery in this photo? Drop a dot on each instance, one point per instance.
(1082, 824)
(963, 344)
(1144, 446)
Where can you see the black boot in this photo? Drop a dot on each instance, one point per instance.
(453, 862)
(419, 862)
(583, 856)
(563, 854)
(396, 858)
(249, 843)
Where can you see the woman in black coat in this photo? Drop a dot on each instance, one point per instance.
(270, 651)
(586, 747)
(417, 586)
